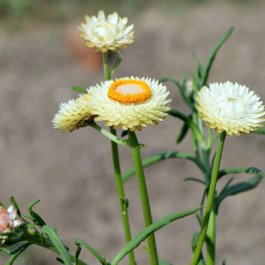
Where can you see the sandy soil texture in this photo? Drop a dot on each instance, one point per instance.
(72, 173)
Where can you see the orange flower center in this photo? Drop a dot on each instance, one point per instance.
(129, 91)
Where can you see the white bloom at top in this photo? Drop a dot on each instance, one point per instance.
(106, 33)
(129, 103)
(230, 107)
(73, 114)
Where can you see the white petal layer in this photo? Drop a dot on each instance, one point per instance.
(106, 33)
(72, 114)
(132, 116)
(230, 107)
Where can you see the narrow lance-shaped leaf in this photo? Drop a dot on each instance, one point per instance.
(58, 244)
(116, 64)
(183, 132)
(213, 54)
(13, 257)
(239, 188)
(140, 237)
(79, 89)
(180, 87)
(164, 262)
(239, 170)
(94, 252)
(153, 159)
(35, 217)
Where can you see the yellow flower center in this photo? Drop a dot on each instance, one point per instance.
(129, 91)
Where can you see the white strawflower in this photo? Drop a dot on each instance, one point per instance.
(106, 33)
(129, 103)
(230, 107)
(73, 114)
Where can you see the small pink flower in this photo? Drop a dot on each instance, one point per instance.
(8, 219)
(4, 219)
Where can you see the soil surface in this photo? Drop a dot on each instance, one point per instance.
(72, 173)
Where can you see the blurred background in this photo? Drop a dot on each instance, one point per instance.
(41, 57)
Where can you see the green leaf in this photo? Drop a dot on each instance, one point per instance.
(260, 131)
(179, 86)
(177, 114)
(164, 262)
(224, 262)
(58, 244)
(213, 54)
(239, 188)
(77, 253)
(153, 159)
(15, 204)
(35, 217)
(183, 132)
(198, 66)
(194, 240)
(135, 241)
(79, 89)
(116, 64)
(94, 252)
(13, 249)
(239, 170)
(195, 180)
(13, 257)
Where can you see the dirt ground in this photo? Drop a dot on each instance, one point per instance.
(72, 173)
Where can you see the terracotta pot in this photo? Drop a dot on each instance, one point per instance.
(91, 59)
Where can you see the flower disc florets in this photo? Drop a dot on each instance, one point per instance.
(230, 107)
(73, 114)
(106, 33)
(129, 103)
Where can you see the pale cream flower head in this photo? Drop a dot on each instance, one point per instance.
(106, 33)
(73, 114)
(129, 103)
(230, 107)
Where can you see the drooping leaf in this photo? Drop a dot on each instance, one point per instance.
(239, 188)
(239, 170)
(177, 114)
(179, 86)
(58, 244)
(13, 249)
(183, 132)
(153, 159)
(140, 237)
(14, 256)
(94, 252)
(35, 217)
(195, 180)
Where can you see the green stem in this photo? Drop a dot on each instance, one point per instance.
(105, 57)
(118, 176)
(211, 238)
(136, 154)
(210, 199)
(121, 195)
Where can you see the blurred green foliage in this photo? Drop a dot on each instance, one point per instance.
(66, 10)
